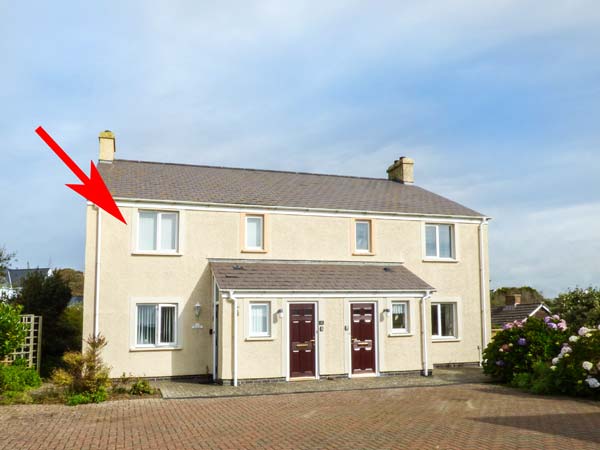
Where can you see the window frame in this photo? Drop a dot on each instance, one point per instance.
(453, 242)
(407, 314)
(158, 344)
(158, 229)
(354, 237)
(244, 233)
(455, 311)
(261, 335)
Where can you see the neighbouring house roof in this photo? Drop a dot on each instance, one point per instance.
(220, 185)
(15, 277)
(510, 313)
(314, 276)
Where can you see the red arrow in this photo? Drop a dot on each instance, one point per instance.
(93, 188)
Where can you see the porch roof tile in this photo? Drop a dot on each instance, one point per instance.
(314, 276)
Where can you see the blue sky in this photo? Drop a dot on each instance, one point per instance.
(498, 103)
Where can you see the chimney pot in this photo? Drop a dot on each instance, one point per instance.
(402, 170)
(107, 146)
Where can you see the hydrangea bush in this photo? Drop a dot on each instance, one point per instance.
(522, 344)
(575, 369)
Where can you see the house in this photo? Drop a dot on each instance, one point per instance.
(515, 310)
(246, 275)
(13, 280)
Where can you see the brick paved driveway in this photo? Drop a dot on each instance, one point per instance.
(461, 416)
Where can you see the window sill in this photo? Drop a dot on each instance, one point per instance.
(355, 253)
(260, 338)
(139, 253)
(442, 260)
(155, 349)
(252, 250)
(400, 334)
(445, 339)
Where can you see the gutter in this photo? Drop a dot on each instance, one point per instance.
(97, 274)
(424, 333)
(232, 298)
(482, 283)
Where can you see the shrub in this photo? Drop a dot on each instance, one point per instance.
(575, 370)
(522, 344)
(18, 377)
(87, 397)
(579, 307)
(12, 331)
(85, 373)
(140, 387)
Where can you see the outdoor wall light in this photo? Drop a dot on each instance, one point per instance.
(386, 311)
(197, 310)
(279, 313)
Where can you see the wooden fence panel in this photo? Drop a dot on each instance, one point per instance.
(31, 351)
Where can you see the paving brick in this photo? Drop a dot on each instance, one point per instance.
(467, 416)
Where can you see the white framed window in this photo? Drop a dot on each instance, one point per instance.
(444, 321)
(362, 236)
(400, 320)
(260, 325)
(254, 232)
(158, 231)
(156, 325)
(439, 241)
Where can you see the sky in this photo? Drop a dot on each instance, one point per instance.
(498, 103)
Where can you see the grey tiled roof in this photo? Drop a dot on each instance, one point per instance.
(16, 276)
(505, 314)
(314, 276)
(205, 184)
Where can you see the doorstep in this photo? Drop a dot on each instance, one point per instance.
(442, 377)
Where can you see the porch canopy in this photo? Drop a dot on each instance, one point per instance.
(314, 276)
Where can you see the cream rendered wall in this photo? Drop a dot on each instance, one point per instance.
(209, 234)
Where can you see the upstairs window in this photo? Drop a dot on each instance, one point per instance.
(362, 236)
(439, 241)
(254, 233)
(158, 231)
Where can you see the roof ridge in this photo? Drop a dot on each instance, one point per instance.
(260, 170)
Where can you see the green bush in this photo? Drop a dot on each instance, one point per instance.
(140, 387)
(18, 378)
(12, 331)
(522, 344)
(87, 397)
(579, 307)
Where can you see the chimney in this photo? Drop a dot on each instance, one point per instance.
(107, 146)
(512, 299)
(402, 170)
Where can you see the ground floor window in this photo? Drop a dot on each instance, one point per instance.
(443, 320)
(156, 325)
(400, 317)
(259, 320)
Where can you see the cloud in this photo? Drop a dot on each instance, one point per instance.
(496, 101)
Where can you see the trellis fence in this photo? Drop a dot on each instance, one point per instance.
(31, 351)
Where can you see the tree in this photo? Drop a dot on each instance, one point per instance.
(528, 295)
(5, 259)
(74, 279)
(579, 307)
(12, 331)
(47, 297)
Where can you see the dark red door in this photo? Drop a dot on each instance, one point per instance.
(363, 338)
(302, 340)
